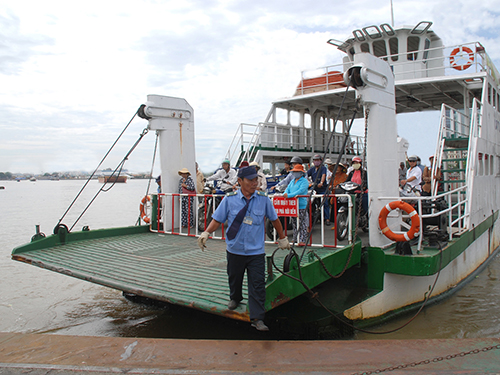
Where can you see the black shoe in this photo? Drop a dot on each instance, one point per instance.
(232, 304)
(259, 325)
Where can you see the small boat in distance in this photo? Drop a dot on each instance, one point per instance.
(112, 179)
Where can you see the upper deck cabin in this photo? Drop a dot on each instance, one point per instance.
(427, 75)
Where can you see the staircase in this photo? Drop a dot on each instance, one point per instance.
(456, 153)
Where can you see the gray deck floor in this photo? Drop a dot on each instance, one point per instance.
(166, 267)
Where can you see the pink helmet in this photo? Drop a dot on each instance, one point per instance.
(357, 159)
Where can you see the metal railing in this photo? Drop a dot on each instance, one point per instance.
(472, 155)
(249, 139)
(456, 211)
(422, 63)
(245, 137)
(202, 217)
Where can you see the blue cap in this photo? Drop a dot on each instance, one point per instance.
(247, 172)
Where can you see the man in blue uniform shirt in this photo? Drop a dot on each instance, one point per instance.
(245, 212)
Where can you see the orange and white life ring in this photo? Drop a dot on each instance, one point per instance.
(463, 53)
(144, 216)
(415, 221)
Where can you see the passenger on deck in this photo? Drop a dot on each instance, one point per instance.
(261, 178)
(199, 180)
(295, 160)
(287, 168)
(413, 175)
(420, 165)
(313, 172)
(187, 186)
(340, 176)
(359, 175)
(227, 177)
(329, 169)
(299, 186)
(245, 211)
(402, 171)
(317, 174)
(329, 173)
(158, 181)
(426, 177)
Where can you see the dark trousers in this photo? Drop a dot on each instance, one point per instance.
(255, 267)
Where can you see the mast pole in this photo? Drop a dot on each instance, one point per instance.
(392, 14)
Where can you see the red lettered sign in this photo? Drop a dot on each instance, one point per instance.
(285, 206)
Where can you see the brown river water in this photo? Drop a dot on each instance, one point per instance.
(34, 300)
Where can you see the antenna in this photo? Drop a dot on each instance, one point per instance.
(392, 15)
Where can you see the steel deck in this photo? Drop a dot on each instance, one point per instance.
(163, 267)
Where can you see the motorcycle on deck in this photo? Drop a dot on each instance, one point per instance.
(208, 203)
(341, 223)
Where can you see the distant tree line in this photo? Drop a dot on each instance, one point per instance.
(5, 176)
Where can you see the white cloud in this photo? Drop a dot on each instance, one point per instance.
(72, 74)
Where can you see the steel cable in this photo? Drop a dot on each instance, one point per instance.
(96, 169)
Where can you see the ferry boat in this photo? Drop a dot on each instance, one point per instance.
(362, 279)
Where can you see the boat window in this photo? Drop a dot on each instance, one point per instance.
(498, 101)
(427, 44)
(365, 47)
(486, 165)
(394, 48)
(379, 48)
(492, 166)
(480, 164)
(413, 43)
(489, 93)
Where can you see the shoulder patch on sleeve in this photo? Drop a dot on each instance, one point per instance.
(263, 193)
(231, 193)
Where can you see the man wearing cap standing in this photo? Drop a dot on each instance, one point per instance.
(245, 211)
(226, 175)
(313, 172)
(413, 174)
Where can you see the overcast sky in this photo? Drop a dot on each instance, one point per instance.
(72, 74)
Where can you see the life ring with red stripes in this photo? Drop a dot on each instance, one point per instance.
(415, 221)
(142, 209)
(461, 51)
